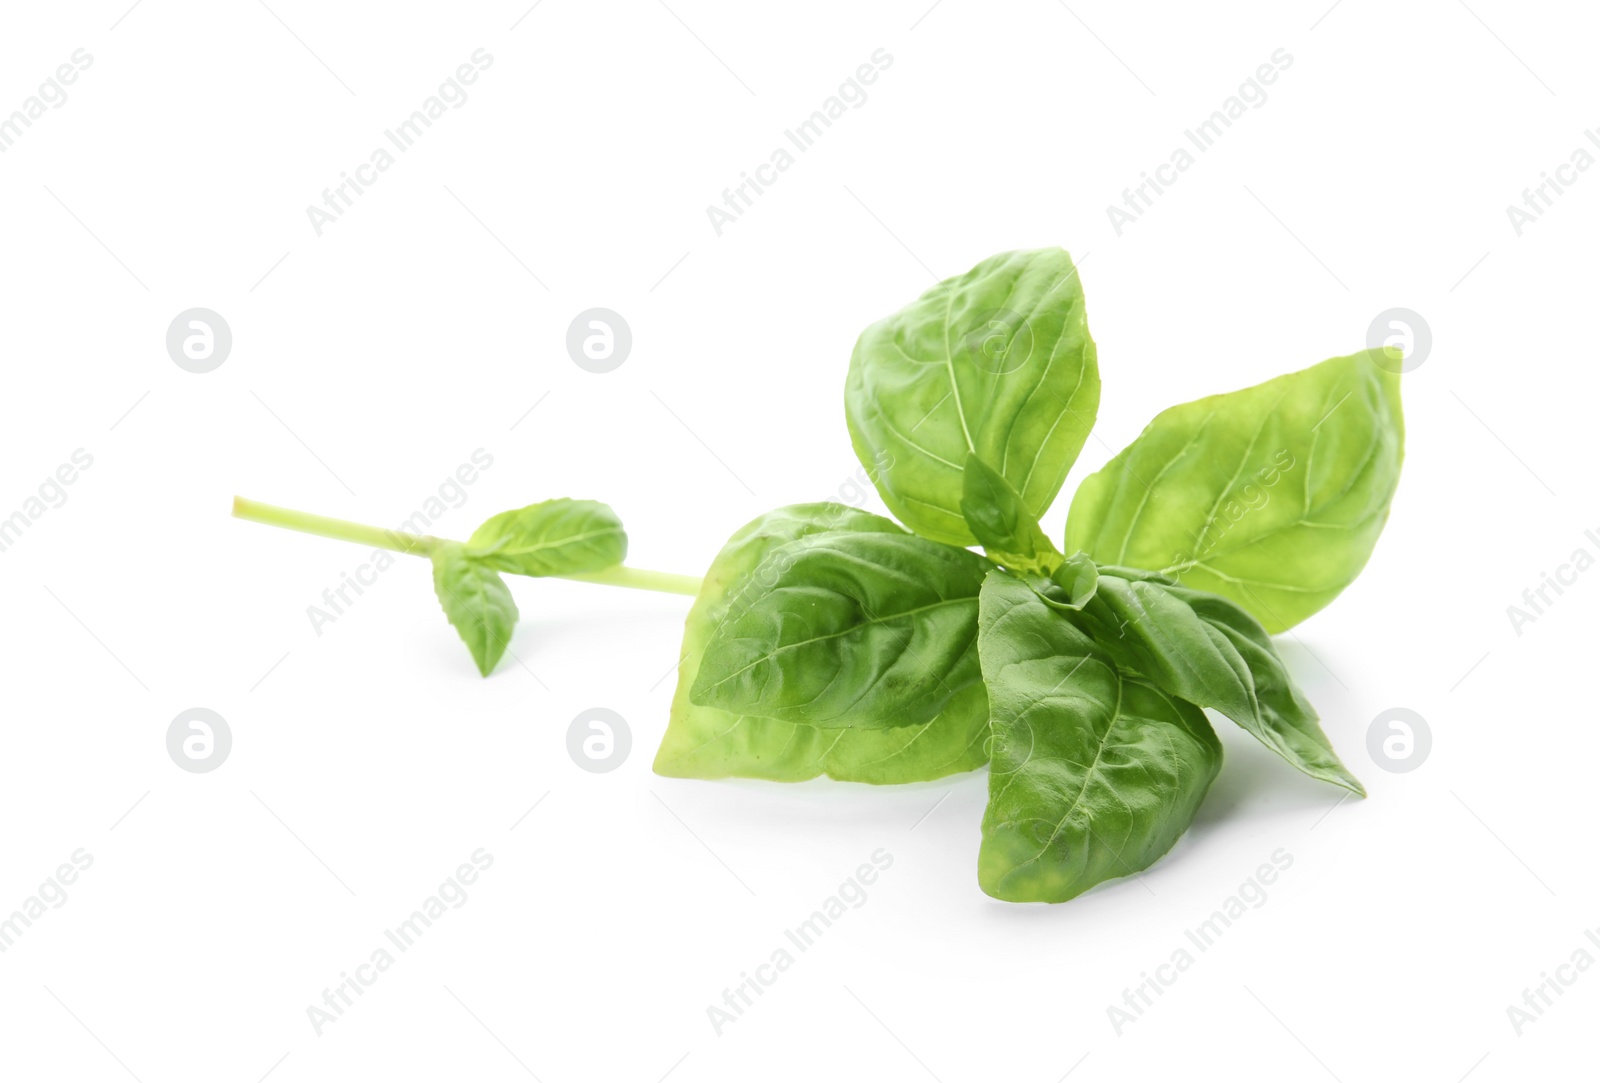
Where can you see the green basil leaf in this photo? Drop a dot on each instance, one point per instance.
(554, 537)
(1070, 587)
(869, 630)
(1205, 649)
(704, 742)
(477, 602)
(1078, 578)
(996, 362)
(1273, 496)
(1009, 534)
(1093, 773)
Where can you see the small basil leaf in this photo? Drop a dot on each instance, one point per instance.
(1205, 649)
(1273, 496)
(477, 602)
(1093, 774)
(1078, 579)
(869, 630)
(996, 362)
(1009, 534)
(554, 537)
(704, 742)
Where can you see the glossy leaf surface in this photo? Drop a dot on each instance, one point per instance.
(1273, 496)
(870, 630)
(1094, 774)
(704, 742)
(996, 362)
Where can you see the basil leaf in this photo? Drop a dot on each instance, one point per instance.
(1009, 534)
(477, 602)
(996, 362)
(704, 742)
(869, 630)
(554, 537)
(1078, 579)
(1273, 496)
(1205, 649)
(1093, 774)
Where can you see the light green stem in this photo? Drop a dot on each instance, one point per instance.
(422, 545)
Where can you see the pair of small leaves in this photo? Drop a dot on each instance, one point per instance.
(554, 537)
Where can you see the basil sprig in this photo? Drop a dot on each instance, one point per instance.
(826, 640)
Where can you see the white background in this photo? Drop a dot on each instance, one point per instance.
(369, 761)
